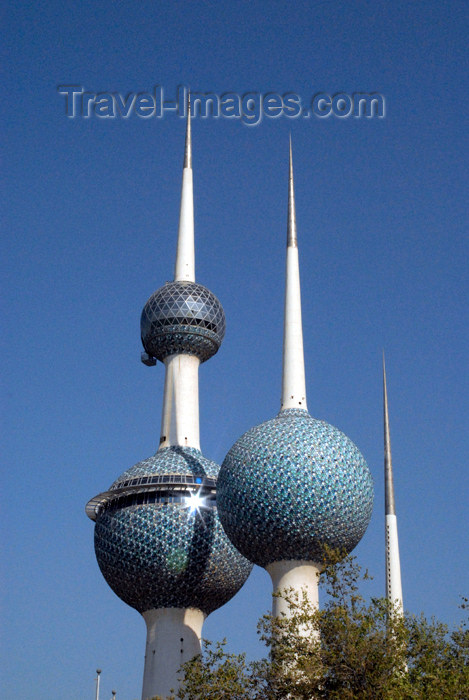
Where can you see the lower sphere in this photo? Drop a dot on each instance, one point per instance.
(163, 556)
(166, 554)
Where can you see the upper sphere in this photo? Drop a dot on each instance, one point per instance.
(292, 485)
(182, 317)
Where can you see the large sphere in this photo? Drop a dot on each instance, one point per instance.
(156, 552)
(292, 485)
(182, 317)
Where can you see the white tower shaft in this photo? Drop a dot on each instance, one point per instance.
(173, 637)
(180, 419)
(293, 379)
(393, 565)
(98, 677)
(301, 576)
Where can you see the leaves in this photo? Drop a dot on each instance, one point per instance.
(350, 649)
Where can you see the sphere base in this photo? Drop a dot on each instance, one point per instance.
(173, 637)
(301, 576)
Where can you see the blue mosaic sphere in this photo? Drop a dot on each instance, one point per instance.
(154, 550)
(182, 317)
(292, 485)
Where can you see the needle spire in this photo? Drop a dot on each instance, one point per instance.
(185, 257)
(293, 379)
(390, 505)
(188, 147)
(291, 227)
(393, 564)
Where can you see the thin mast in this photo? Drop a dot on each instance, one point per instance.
(185, 257)
(390, 505)
(393, 565)
(293, 379)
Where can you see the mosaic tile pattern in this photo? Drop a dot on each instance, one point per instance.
(291, 485)
(171, 460)
(182, 317)
(162, 555)
(159, 556)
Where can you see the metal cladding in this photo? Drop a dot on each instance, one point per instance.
(291, 485)
(182, 317)
(155, 551)
(186, 461)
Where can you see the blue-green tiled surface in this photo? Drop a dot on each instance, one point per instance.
(182, 317)
(172, 460)
(291, 485)
(162, 555)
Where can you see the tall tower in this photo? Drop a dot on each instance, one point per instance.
(393, 565)
(158, 539)
(294, 484)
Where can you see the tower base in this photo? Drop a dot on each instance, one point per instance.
(173, 637)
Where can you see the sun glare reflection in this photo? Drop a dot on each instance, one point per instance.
(194, 502)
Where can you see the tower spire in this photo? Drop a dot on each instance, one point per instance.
(291, 226)
(390, 505)
(293, 379)
(393, 566)
(184, 270)
(188, 146)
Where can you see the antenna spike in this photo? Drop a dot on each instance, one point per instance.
(293, 377)
(188, 146)
(393, 565)
(184, 270)
(390, 505)
(292, 240)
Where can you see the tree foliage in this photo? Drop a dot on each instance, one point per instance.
(350, 649)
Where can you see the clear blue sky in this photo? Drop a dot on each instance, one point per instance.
(90, 223)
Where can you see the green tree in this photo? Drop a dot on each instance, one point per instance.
(350, 649)
(438, 659)
(347, 649)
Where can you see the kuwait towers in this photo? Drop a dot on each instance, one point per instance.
(293, 484)
(158, 538)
